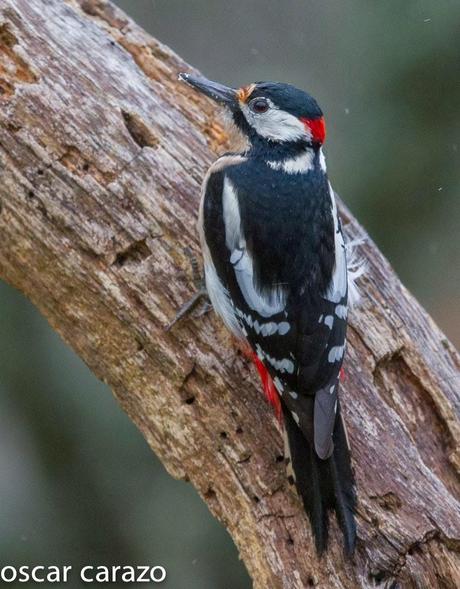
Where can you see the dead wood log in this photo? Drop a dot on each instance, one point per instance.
(102, 153)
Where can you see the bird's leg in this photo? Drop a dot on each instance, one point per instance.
(200, 293)
(207, 306)
(196, 274)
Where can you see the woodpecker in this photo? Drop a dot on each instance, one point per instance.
(275, 266)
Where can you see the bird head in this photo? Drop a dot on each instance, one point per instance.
(269, 112)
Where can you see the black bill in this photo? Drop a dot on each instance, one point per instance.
(218, 92)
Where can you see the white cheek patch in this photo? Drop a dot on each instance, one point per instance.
(276, 124)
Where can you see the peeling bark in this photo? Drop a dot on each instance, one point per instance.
(102, 153)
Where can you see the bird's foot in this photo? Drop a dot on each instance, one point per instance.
(200, 293)
(206, 307)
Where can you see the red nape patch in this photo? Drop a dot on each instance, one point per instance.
(317, 128)
(269, 388)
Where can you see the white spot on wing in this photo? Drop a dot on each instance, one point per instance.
(268, 328)
(283, 327)
(341, 311)
(283, 365)
(278, 384)
(296, 417)
(329, 321)
(336, 353)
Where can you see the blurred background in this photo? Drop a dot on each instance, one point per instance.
(78, 484)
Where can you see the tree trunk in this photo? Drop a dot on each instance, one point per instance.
(102, 152)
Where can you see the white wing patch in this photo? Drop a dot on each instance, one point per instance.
(256, 301)
(218, 294)
(220, 299)
(265, 305)
(232, 220)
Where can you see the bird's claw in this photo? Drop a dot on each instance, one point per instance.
(200, 293)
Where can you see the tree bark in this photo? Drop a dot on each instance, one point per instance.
(102, 152)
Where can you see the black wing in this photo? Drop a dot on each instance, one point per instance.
(277, 250)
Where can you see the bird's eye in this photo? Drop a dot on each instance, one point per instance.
(259, 105)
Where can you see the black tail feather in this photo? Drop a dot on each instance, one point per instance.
(344, 485)
(324, 485)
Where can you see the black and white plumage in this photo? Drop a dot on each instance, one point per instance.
(276, 272)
